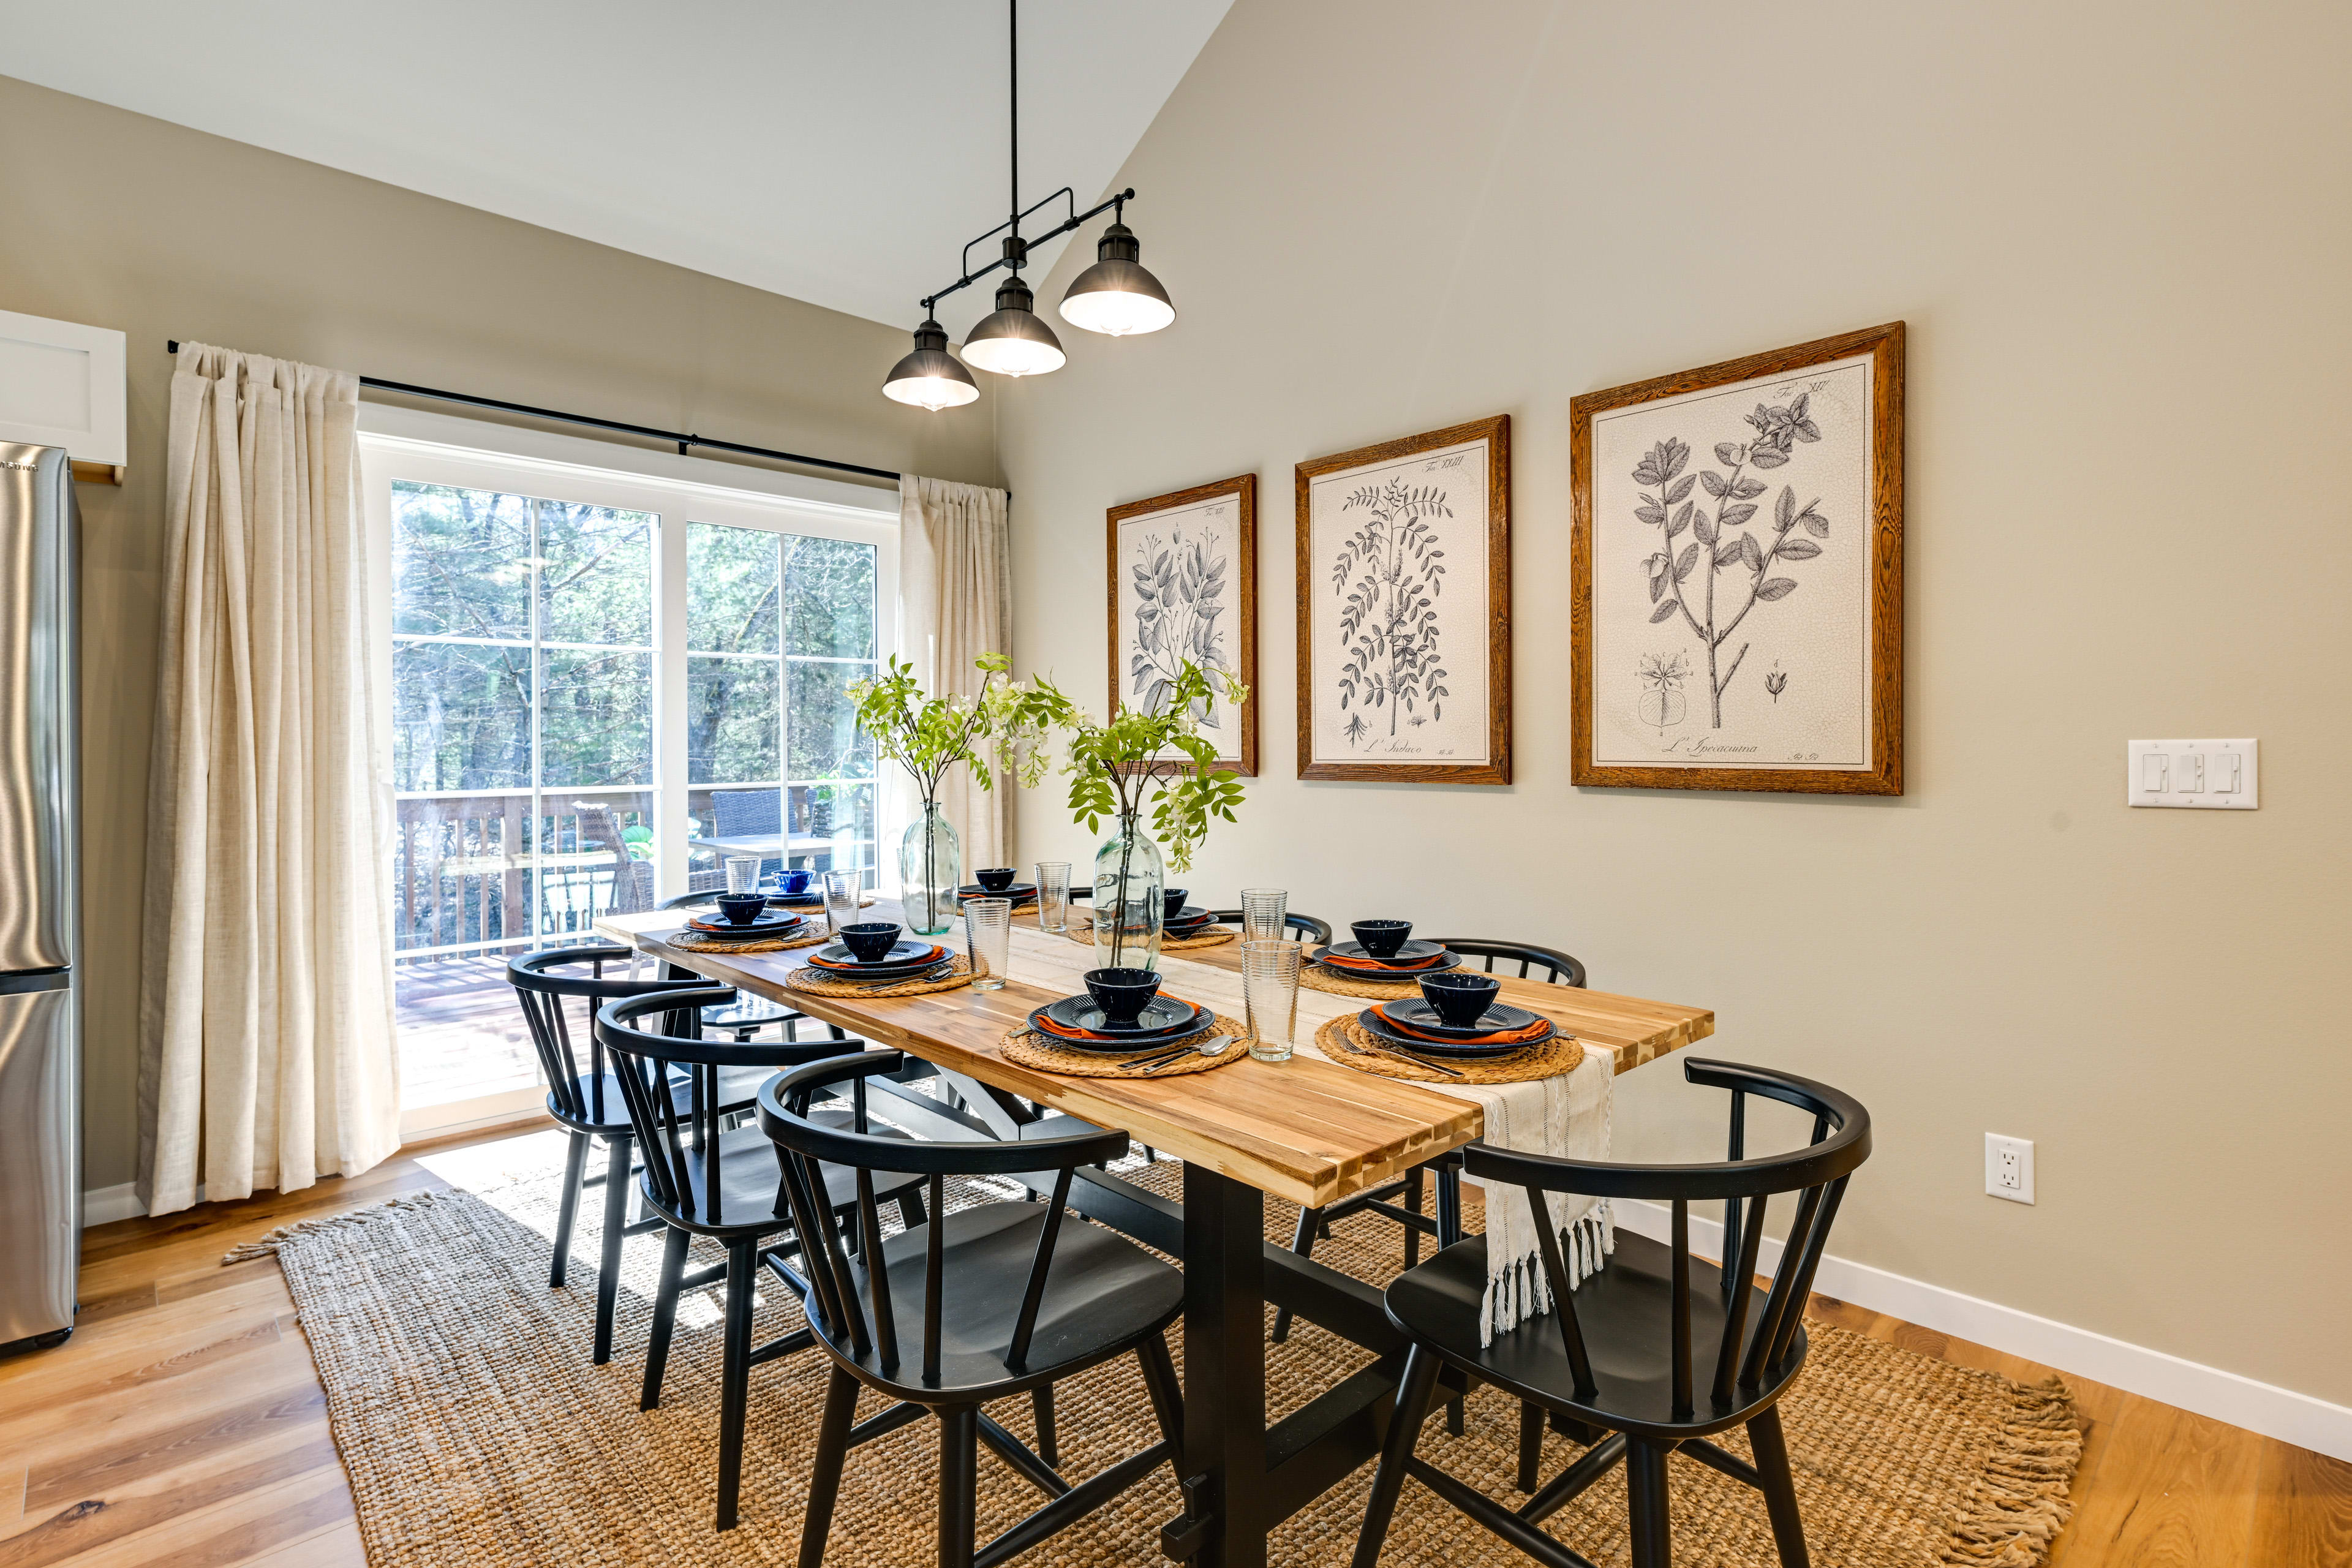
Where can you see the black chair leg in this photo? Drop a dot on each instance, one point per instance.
(665, 1316)
(910, 1208)
(959, 1483)
(1771, 1450)
(1049, 1448)
(1413, 1394)
(735, 1376)
(1646, 1502)
(617, 1222)
(576, 1166)
(1413, 1204)
(1167, 1397)
(1531, 1431)
(1302, 1242)
(825, 1470)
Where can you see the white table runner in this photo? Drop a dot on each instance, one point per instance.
(1567, 1116)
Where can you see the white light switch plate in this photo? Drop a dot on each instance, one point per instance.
(2192, 774)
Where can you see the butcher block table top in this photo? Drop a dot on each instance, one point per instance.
(1303, 1130)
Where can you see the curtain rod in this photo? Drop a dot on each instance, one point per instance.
(683, 441)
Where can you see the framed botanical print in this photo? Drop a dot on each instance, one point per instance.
(1737, 573)
(1183, 584)
(1405, 609)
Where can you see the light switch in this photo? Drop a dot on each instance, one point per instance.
(2210, 774)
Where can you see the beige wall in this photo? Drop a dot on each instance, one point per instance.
(123, 221)
(2121, 235)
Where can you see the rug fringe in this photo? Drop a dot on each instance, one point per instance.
(266, 1246)
(2018, 1504)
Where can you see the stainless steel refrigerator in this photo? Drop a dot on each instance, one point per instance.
(40, 1006)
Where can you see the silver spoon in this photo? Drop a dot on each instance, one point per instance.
(1214, 1046)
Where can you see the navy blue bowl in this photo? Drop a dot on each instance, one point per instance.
(1460, 997)
(1174, 899)
(1122, 994)
(794, 883)
(742, 908)
(1382, 938)
(997, 879)
(870, 941)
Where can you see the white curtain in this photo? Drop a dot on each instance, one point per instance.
(266, 1050)
(955, 593)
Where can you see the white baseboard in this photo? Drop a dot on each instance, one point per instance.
(2273, 1412)
(104, 1205)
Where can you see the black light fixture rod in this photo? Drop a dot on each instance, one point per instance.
(681, 440)
(1013, 59)
(1073, 221)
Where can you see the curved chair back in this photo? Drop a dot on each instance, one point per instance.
(1818, 1173)
(543, 991)
(1309, 928)
(805, 1146)
(1559, 968)
(671, 1083)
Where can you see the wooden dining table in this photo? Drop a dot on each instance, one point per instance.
(1306, 1130)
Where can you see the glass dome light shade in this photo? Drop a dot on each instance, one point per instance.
(1015, 341)
(1116, 296)
(930, 378)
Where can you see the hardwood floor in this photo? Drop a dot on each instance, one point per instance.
(185, 1423)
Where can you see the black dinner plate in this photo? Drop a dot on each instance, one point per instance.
(1380, 1028)
(725, 930)
(813, 899)
(1415, 1011)
(1166, 1018)
(1020, 892)
(835, 958)
(1411, 952)
(1451, 961)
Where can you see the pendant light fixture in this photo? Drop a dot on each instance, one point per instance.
(930, 378)
(1114, 296)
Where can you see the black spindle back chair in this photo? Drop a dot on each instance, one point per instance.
(993, 1300)
(1309, 928)
(1558, 968)
(1661, 1350)
(703, 1177)
(586, 1104)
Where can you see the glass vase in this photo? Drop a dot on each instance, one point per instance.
(1128, 911)
(930, 868)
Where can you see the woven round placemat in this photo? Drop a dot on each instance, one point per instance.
(1213, 936)
(1345, 1042)
(818, 984)
(1032, 1050)
(1315, 977)
(688, 940)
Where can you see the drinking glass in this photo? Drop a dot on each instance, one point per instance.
(1053, 895)
(987, 937)
(1262, 909)
(1270, 997)
(742, 873)
(841, 890)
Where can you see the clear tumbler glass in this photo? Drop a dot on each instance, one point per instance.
(841, 893)
(742, 873)
(1270, 997)
(1053, 894)
(987, 937)
(1262, 909)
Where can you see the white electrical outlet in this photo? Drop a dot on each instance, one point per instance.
(2009, 1168)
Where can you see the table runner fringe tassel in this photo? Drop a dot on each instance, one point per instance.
(1520, 1291)
(2019, 1502)
(266, 1246)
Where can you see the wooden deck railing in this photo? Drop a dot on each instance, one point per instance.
(475, 872)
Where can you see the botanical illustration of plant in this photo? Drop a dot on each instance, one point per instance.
(1180, 588)
(1672, 510)
(1389, 571)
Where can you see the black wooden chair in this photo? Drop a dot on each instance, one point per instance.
(1559, 969)
(747, 1014)
(1617, 1352)
(1309, 928)
(701, 1178)
(992, 1301)
(588, 1105)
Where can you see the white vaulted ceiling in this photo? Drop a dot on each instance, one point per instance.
(838, 153)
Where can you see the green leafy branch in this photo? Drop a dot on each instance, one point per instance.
(929, 735)
(1116, 769)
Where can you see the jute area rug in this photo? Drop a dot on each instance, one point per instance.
(478, 1435)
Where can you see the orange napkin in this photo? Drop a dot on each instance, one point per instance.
(1047, 1027)
(1381, 966)
(1534, 1031)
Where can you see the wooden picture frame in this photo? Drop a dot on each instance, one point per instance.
(1663, 695)
(1454, 541)
(1220, 521)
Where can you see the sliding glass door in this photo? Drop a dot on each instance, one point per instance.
(601, 684)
